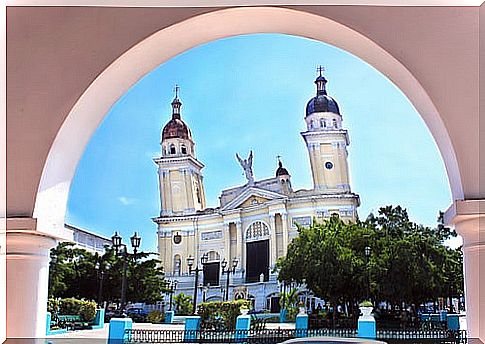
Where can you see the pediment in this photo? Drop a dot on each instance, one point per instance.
(251, 196)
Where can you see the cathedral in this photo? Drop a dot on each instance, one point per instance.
(236, 244)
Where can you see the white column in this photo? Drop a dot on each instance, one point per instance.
(469, 220)
(284, 220)
(273, 246)
(27, 282)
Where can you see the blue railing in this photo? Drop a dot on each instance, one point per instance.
(273, 336)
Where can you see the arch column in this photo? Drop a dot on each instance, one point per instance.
(468, 217)
(27, 278)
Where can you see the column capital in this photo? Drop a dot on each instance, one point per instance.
(468, 217)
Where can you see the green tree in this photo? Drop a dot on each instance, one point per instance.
(73, 274)
(322, 258)
(289, 300)
(183, 304)
(408, 262)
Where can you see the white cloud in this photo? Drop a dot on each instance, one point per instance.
(127, 200)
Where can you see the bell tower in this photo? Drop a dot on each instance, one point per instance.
(326, 141)
(179, 171)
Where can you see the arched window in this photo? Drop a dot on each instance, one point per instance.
(183, 149)
(312, 124)
(323, 124)
(172, 149)
(177, 264)
(334, 123)
(257, 230)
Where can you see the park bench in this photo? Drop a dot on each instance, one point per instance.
(257, 323)
(72, 322)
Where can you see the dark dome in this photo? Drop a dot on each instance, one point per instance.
(176, 128)
(322, 103)
(281, 171)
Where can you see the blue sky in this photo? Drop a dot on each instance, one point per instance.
(249, 92)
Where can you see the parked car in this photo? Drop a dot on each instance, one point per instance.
(137, 314)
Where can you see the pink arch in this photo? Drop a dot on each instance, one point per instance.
(109, 86)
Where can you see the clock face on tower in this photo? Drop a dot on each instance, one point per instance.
(328, 165)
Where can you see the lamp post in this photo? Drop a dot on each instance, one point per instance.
(204, 291)
(100, 272)
(135, 243)
(117, 244)
(227, 272)
(367, 251)
(173, 287)
(196, 270)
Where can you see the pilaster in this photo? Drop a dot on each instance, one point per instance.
(284, 221)
(239, 244)
(227, 243)
(273, 247)
(468, 217)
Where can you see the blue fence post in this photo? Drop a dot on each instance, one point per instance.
(48, 323)
(169, 317)
(366, 326)
(301, 325)
(99, 319)
(283, 315)
(243, 324)
(192, 327)
(453, 322)
(117, 327)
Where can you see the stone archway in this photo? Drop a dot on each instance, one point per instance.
(119, 76)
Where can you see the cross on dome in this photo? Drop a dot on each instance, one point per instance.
(320, 70)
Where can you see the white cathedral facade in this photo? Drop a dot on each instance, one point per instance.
(255, 222)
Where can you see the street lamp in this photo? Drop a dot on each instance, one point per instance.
(235, 261)
(100, 272)
(135, 243)
(204, 291)
(367, 251)
(173, 287)
(117, 244)
(196, 270)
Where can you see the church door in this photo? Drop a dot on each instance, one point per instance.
(211, 274)
(257, 260)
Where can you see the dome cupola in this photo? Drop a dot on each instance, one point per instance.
(176, 128)
(281, 171)
(322, 102)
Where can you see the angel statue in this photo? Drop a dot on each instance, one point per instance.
(247, 165)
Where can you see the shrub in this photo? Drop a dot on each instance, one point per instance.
(366, 303)
(156, 317)
(72, 306)
(88, 310)
(53, 306)
(227, 312)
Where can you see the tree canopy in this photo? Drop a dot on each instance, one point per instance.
(73, 273)
(407, 262)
